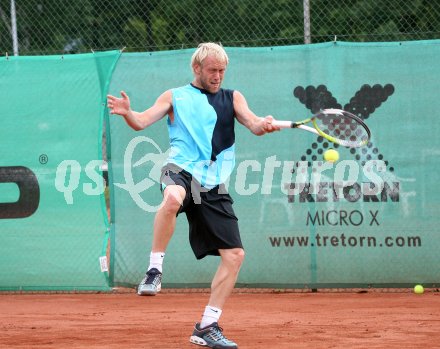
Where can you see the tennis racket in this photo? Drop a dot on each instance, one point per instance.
(336, 125)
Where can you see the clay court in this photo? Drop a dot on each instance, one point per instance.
(257, 320)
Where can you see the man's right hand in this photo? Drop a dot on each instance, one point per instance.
(120, 106)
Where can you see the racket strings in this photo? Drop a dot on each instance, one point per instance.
(344, 128)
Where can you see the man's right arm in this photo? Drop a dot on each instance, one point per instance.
(140, 120)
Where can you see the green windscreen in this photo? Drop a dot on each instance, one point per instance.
(52, 223)
(368, 219)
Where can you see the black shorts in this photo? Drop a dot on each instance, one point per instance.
(212, 221)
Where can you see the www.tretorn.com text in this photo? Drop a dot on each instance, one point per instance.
(345, 241)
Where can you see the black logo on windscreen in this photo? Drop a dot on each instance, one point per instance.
(29, 192)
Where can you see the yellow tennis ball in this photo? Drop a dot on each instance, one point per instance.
(419, 289)
(331, 155)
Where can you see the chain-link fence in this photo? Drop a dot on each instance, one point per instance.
(29, 27)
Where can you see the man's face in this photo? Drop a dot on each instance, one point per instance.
(209, 75)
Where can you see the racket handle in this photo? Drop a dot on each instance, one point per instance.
(283, 124)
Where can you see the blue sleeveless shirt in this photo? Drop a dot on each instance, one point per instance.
(202, 136)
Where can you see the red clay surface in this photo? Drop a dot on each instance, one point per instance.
(254, 320)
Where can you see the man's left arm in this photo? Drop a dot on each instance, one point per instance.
(257, 125)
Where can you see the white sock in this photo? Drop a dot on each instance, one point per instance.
(211, 314)
(156, 260)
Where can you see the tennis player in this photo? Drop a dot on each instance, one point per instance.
(201, 117)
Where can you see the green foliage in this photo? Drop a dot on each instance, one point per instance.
(65, 26)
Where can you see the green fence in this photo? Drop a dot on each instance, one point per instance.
(52, 226)
(368, 220)
(295, 238)
(35, 27)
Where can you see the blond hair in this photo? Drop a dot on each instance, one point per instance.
(209, 49)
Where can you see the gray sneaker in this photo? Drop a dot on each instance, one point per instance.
(151, 283)
(212, 337)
